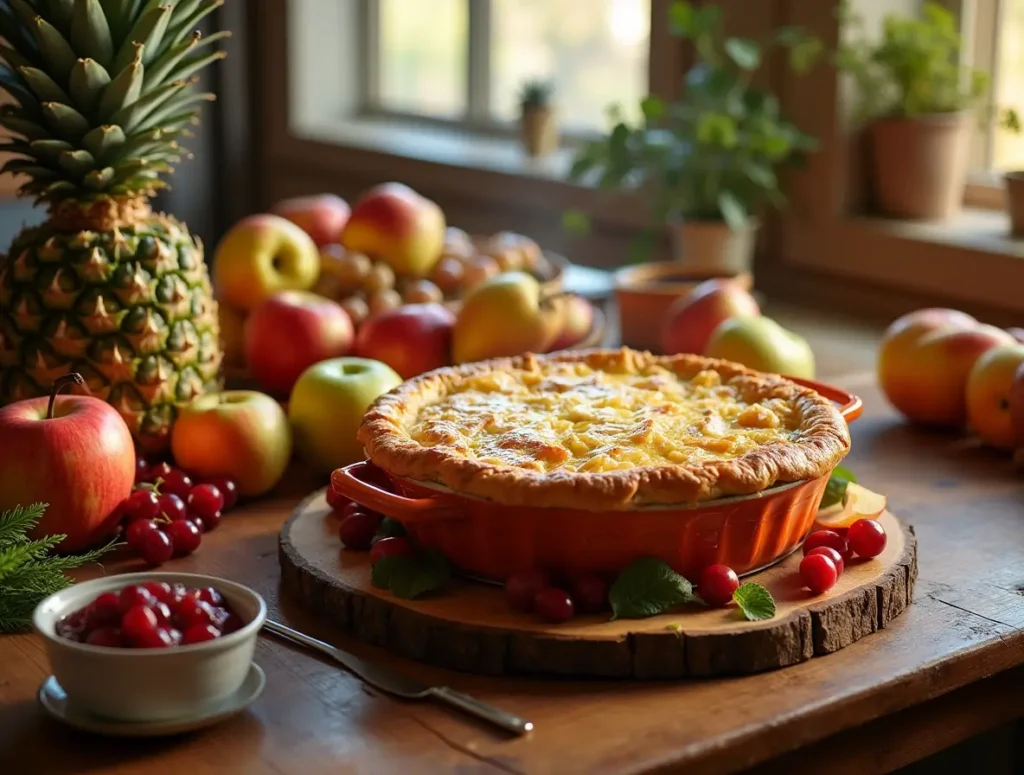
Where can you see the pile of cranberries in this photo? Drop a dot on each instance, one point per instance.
(534, 591)
(151, 615)
(167, 513)
(826, 552)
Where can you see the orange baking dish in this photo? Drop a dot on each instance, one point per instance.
(492, 540)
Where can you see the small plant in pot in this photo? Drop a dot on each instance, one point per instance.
(917, 101)
(710, 162)
(537, 117)
(1009, 121)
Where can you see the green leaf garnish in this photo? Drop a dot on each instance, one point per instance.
(755, 601)
(648, 587)
(835, 490)
(411, 577)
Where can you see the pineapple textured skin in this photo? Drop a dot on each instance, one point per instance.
(130, 309)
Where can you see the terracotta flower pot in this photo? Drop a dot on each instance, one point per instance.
(1015, 201)
(539, 131)
(919, 165)
(711, 248)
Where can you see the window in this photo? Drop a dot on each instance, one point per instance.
(465, 60)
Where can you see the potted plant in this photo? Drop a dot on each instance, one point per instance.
(710, 161)
(917, 100)
(1009, 121)
(537, 117)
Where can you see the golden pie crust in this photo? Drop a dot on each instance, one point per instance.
(604, 430)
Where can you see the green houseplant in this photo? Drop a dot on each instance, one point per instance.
(709, 162)
(1009, 122)
(537, 117)
(916, 99)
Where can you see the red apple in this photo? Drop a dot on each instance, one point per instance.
(411, 339)
(1016, 401)
(291, 331)
(321, 216)
(692, 319)
(577, 321)
(74, 453)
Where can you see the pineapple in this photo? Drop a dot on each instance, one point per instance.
(102, 93)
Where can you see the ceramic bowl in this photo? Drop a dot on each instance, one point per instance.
(150, 684)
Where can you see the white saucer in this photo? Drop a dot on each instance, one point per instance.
(55, 702)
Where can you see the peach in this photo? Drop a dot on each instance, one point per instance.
(261, 255)
(321, 216)
(989, 387)
(692, 319)
(1017, 406)
(924, 361)
(393, 223)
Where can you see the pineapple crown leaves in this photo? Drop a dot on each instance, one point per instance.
(28, 570)
(103, 91)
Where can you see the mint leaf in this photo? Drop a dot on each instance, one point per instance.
(390, 528)
(755, 601)
(383, 570)
(646, 588)
(413, 577)
(835, 490)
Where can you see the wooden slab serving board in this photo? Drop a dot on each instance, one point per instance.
(469, 627)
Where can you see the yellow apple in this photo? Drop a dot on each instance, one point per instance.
(989, 386)
(858, 503)
(327, 406)
(503, 316)
(261, 255)
(762, 344)
(240, 434)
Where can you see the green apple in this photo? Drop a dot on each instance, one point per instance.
(762, 344)
(327, 406)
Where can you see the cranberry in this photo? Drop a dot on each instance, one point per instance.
(818, 573)
(227, 488)
(141, 504)
(358, 529)
(717, 584)
(105, 636)
(141, 470)
(158, 472)
(198, 633)
(136, 532)
(521, 588)
(185, 536)
(336, 500)
(177, 482)
(553, 605)
(207, 523)
(867, 538)
(828, 538)
(589, 594)
(157, 548)
(133, 596)
(211, 596)
(232, 623)
(391, 547)
(163, 613)
(104, 610)
(191, 611)
(205, 500)
(159, 638)
(172, 507)
(832, 554)
(140, 621)
(160, 590)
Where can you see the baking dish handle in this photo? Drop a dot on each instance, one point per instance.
(850, 406)
(408, 511)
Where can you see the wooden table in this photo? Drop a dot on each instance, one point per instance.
(947, 669)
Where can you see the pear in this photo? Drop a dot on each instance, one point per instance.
(762, 344)
(502, 316)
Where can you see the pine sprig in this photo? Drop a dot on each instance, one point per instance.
(28, 571)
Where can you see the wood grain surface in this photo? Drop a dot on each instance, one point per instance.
(944, 669)
(470, 627)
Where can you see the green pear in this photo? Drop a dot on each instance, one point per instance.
(762, 344)
(504, 316)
